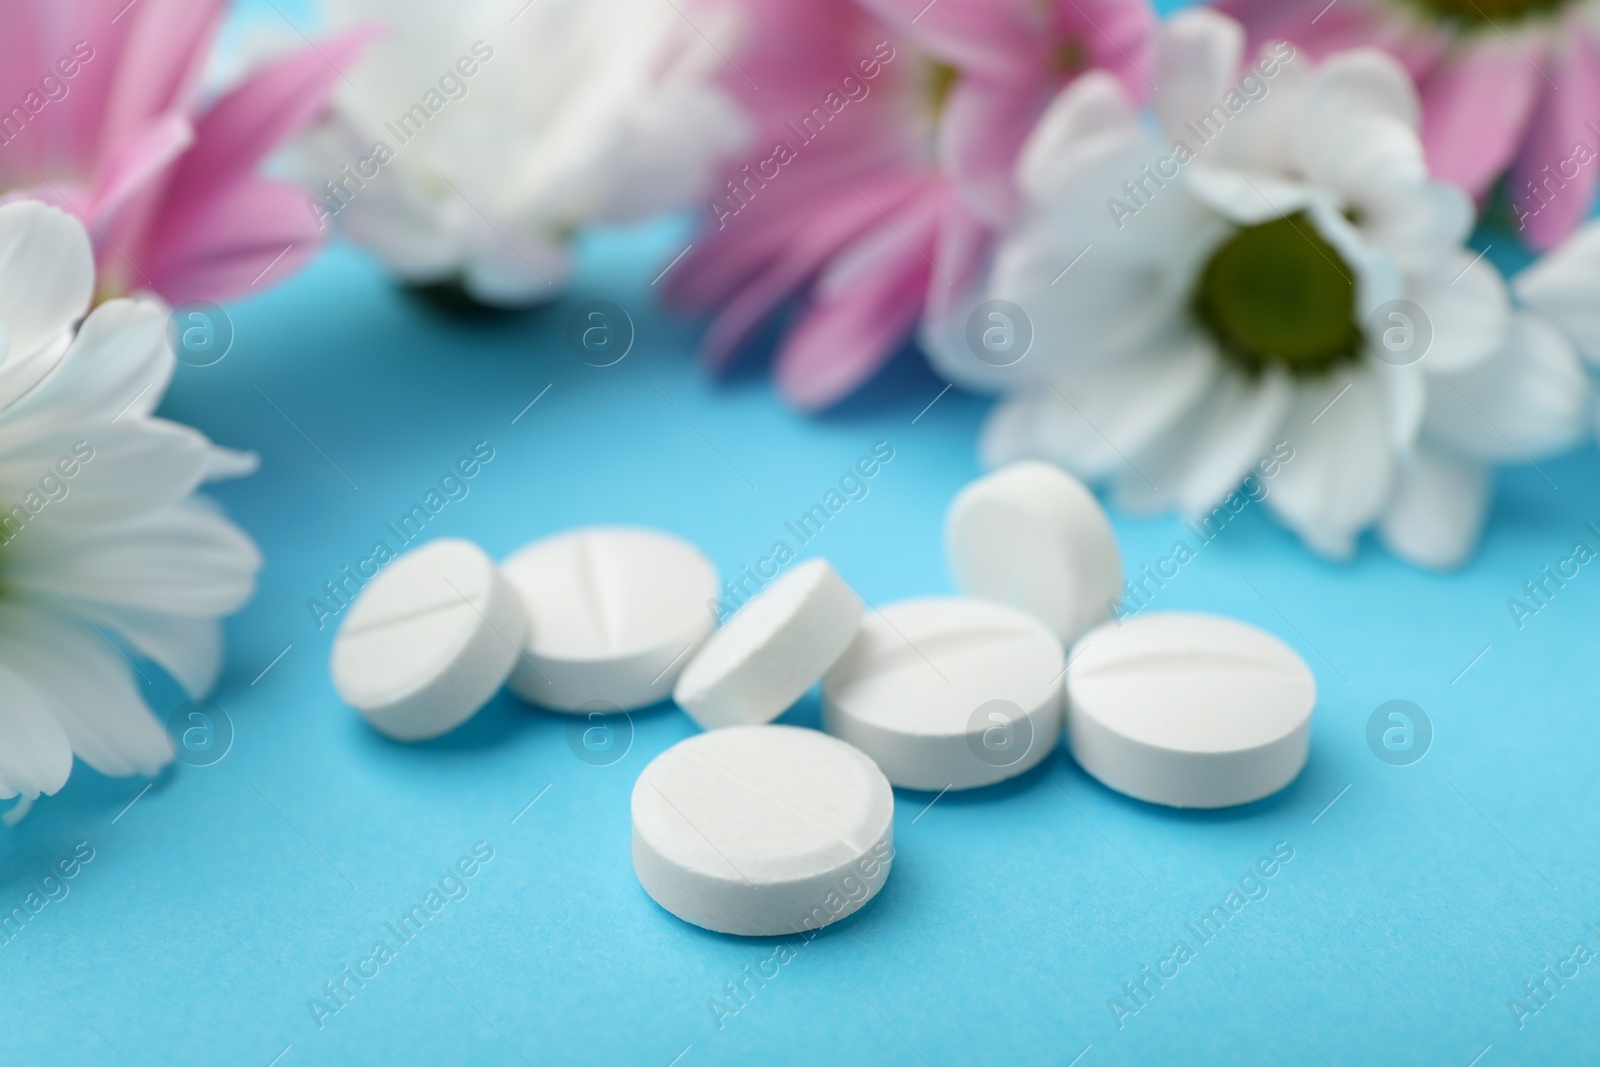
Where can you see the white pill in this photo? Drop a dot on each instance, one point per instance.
(762, 830)
(776, 647)
(1032, 536)
(614, 613)
(428, 641)
(1190, 710)
(948, 692)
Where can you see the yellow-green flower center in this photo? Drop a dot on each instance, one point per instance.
(1279, 295)
(1480, 12)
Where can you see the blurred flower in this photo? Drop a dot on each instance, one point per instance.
(1271, 264)
(101, 534)
(1506, 84)
(478, 135)
(882, 161)
(99, 115)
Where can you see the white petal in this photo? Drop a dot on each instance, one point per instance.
(1564, 286)
(119, 470)
(1203, 457)
(1438, 509)
(1468, 312)
(1340, 476)
(46, 280)
(1531, 399)
(187, 647)
(186, 560)
(1100, 414)
(1090, 107)
(1092, 291)
(35, 755)
(1197, 59)
(1418, 225)
(1349, 86)
(1366, 161)
(119, 365)
(225, 463)
(90, 690)
(1248, 199)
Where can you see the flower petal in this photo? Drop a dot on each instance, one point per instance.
(1531, 399)
(1438, 509)
(1468, 310)
(36, 756)
(1561, 122)
(1342, 470)
(187, 647)
(1197, 59)
(186, 560)
(1477, 104)
(1131, 400)
(1206, 454)
(118, 365)
(89, 689)
(1563, 286)
(46, 280)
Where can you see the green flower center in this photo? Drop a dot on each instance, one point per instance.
(1278, 295)
(938, 78)
(1481, 12)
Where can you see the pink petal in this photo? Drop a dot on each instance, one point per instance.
(824, 233)
(985, 123)
(160, 65)
(1561, 123)
(266, 110)
(135, 166)
(992, 35)
(847, 336)
(1475, 109)
(242, 240)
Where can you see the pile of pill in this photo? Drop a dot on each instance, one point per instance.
(759, 829)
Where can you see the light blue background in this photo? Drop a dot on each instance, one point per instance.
(220, 902)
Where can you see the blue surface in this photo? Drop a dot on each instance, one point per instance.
(216, 906)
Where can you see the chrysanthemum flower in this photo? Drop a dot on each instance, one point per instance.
(1270, 263)
(1506, 84)
(477, 136)
(105, 553)
(882, 161)
(100, 115)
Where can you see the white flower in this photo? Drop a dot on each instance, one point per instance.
(101, 539)
(480, 134)
(1232, 295)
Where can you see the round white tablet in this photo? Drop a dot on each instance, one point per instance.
(776, 647)
(1190, 710)
(614, 613)
(948, 692)
(762, 830)
(428, 641)
(1032, 536)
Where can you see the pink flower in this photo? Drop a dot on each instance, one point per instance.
(887, 133)
(99, 114)
(1505, 84)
